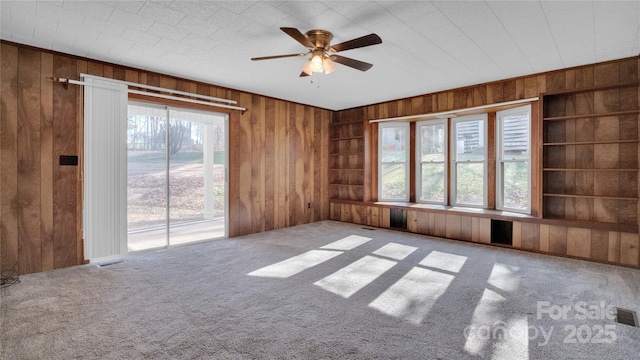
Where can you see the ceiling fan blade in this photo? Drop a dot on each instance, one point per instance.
(356, 64)
(277, 56)
(303, 74)
(298, 36)
(367, 40)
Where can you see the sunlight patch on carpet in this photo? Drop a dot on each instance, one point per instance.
(444, 261)
(487, 312)
(395, 251)
(296, 264)
(348, 243)
(353, 277)
(412, 296)
(505, 277)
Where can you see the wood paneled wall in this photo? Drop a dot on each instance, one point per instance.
(353, 202)
(278, 164)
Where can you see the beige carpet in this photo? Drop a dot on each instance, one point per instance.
(326, 290)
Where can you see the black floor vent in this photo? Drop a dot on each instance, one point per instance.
(366, 228)
(627, 317)
(113, 262)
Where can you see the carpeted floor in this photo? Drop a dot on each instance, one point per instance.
(325, 290)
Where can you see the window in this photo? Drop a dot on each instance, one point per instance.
(431, 150)
(468, 163)
(393, 166)
(513, 159)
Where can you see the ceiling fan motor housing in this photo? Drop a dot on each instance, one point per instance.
(320, 38)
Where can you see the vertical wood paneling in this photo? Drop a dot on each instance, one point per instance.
(257, 162)
(29, 161)
(46, 163)
(385, 217)
(557, 239)
(579, 242)
(440, 225)
(65, 138)
(269, 162)
(9, 156)
(282, 154)
(544, 237)
(530, 236)
(453, 223)
(484, 233)
(241, 163)
(629, 245)
(516, 239)
(412, 221)
(475, 229)
(599, 245)
(614, 246)
(465, 228)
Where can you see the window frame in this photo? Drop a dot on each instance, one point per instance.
(419, 162)
(500, 159)
(407, 128)
(453, 162)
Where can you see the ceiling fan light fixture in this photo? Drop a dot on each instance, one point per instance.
(328, 65)
(316, 61)
(307, 67)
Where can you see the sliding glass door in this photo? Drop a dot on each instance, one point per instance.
(177, 183)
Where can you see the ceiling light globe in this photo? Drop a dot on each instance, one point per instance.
(316, 63)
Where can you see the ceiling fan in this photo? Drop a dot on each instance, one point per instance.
(323, 53)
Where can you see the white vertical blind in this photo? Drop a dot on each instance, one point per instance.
(105, 168)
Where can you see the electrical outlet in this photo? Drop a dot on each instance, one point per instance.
(308, 205)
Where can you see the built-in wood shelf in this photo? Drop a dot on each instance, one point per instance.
(593, 197)
(590, 142)
(574, 124)
(571, 117)
(566, 169)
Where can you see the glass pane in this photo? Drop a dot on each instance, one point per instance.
(470, 141)
(394, 182)
(393, 144)
(432, 182)
(470, 183)
(515, 136)
(515, 193)
(147, 180)
(196, 176)
(432, 142)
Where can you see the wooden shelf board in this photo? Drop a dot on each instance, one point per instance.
(591, 197)
(590, 142)
(571, 117)
(563, 169)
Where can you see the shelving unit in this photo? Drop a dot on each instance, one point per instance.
(590, 155)
(346, 160)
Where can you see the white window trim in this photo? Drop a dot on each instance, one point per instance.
(453, 168)
(445, 161)
(500, 160)
(407, 159)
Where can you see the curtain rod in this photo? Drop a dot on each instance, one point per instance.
(171, 97)
(454, 113)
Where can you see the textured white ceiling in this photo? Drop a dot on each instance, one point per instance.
(427, 45)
